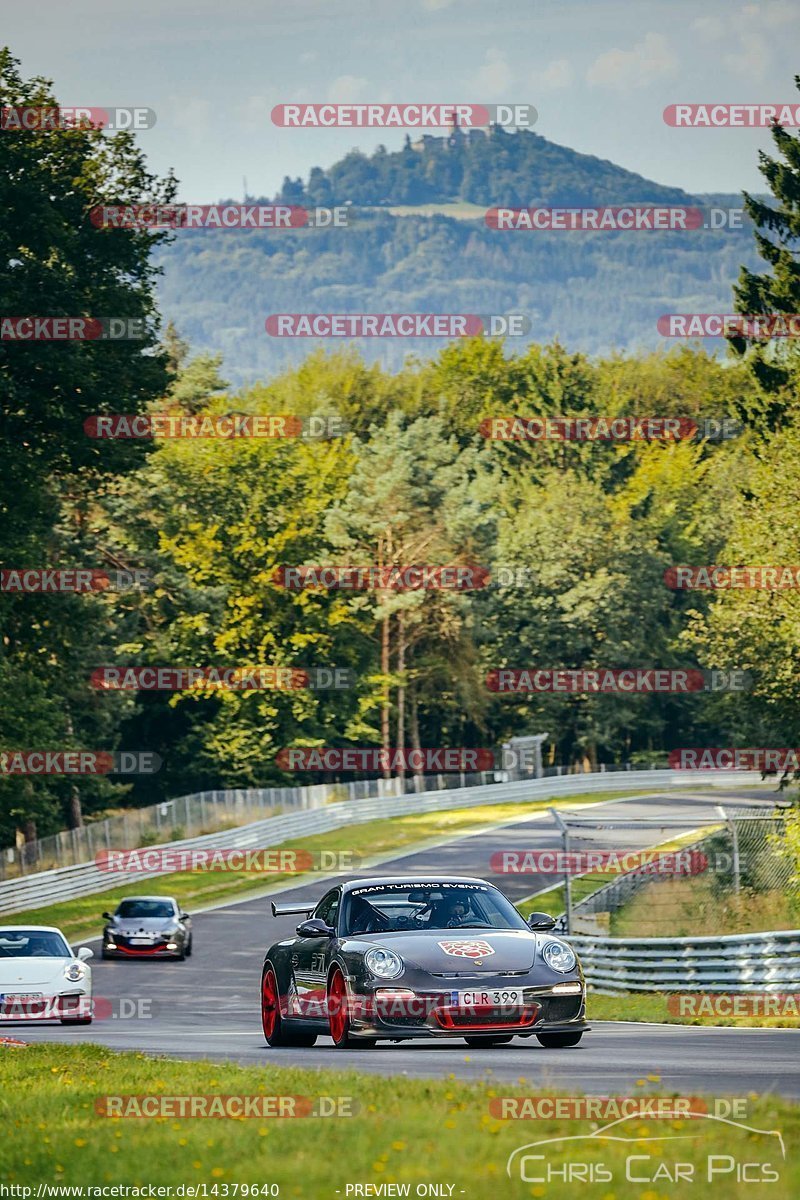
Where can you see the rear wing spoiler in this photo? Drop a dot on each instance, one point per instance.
(284, 910)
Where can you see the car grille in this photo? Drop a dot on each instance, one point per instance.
(475, 974)
(560, 1008)
(487, 1017)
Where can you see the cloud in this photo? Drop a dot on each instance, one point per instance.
(494, 77)
(347, 88)
(192, 114)
(557, 74)
(711, 28)
(744, 48)
(650, 59)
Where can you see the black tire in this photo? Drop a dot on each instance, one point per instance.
(556, 1041)
(189, 948)
(76, 1020)
(105, 955)
(280, 1033)
(479, 1043)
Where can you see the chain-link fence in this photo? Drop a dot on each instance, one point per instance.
(212, 811)
(656, 878)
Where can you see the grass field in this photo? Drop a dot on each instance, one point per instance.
(81, 917)
(410, 1131)
(682, 907)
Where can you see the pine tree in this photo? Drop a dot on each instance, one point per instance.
(774, 362)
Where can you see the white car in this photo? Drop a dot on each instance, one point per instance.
(41, 979)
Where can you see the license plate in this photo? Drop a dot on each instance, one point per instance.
(489, 998)
(141, 941)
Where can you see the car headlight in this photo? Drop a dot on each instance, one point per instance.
(74, 972)
(383, 963)
(559, 956)
(169, 932)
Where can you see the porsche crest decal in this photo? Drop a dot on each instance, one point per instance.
(467, 949)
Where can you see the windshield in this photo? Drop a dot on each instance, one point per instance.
(32, 943)
(418, 907)
(142, 909)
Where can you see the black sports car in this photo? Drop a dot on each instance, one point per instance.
(147, 927)
(420, 958)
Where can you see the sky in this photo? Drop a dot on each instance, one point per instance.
(599, 72)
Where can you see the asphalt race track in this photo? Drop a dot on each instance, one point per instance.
(208, 1006)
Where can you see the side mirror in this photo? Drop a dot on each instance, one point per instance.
(315, 928)
(85, 953)
(541, 921)
(109, 916)
(184, 916)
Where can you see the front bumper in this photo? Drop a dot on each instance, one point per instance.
(120, 947)
(39, 1006)
(434, 1013)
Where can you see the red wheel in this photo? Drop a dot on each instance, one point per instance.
(270, 1014)
(339, 1016)
(337, 1008)
(278, 1032)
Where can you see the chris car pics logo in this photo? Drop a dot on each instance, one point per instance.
(647, 1160)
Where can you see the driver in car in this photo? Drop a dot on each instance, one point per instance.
(453, 911)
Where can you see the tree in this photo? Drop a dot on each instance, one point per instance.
(57, 263)
(774, 362)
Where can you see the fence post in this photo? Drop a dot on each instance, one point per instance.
(562, 825)
(731, 824)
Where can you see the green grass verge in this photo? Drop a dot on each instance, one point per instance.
(80, 918)
(652, 1006)
(403, 1131)
(695, 905)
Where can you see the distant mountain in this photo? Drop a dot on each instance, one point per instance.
(492, 167)
(596, 291)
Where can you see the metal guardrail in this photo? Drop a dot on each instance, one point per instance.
(737, 963)
(65, 883)
(206, 812)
